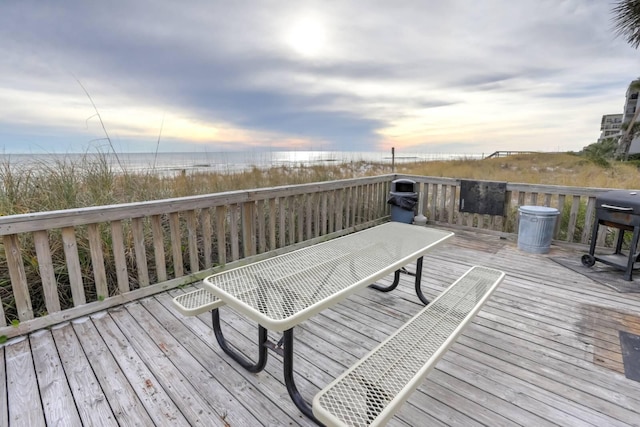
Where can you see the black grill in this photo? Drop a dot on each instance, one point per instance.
(618, 209)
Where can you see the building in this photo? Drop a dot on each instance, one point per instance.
(610, 126)
(631, 105)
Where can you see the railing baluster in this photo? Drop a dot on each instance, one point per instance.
(339, 208)
(291, 208)
(47, 274)
(137, 229)
(561, 201)
(442, 203)
(452, 203)
(235, 244)
(207, 237)
(506, 223)
(192, 240)
(308, 215)
(262, 231)
(272, 224)
(300, 215)
(73, 265)
(248, 229)
(18, 277)
(331, 211)
(176, 244)
(119, 257)
(588, 219)
(3, 317)
(573, 218)
(347, 207)
(158, 247)
(221, 216)
(433, 203)
(320, 216)
(97, 261)
(282, 227)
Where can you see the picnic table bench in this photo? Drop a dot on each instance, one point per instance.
(281, 292)
(375, 387)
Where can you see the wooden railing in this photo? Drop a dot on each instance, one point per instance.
(66, 264)
(439, 202)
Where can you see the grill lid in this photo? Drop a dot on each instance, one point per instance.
(627, 201)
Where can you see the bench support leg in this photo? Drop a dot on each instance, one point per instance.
(421, 296)
(396, 281)
(243, 361)
(299, 401)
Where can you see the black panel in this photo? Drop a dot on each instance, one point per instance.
(630, 345)
(482, 197)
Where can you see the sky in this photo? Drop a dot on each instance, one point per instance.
(432, 76)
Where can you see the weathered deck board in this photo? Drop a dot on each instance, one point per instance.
(60, 408)
(122, 399)
(153, 397)
(543, 351)
(4, 414)
(25, 407)
(91, 401)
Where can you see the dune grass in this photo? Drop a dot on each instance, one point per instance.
(91, 181)
(540, 168)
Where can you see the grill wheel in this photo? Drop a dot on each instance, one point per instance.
(588, 260)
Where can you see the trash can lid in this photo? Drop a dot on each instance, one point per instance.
(403, 193)
(403, 181)
(539, 210)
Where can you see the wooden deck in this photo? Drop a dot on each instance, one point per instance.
(544, 351)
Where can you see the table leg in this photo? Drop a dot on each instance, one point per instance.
(299, 401)
(242, 360)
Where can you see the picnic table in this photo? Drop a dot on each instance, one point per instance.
(281, 292)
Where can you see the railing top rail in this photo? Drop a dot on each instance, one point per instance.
(516, 186)
(29, 222)
(35, 221)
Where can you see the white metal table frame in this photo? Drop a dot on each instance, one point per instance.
(281, 292)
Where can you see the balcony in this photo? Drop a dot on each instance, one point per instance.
(94, 339)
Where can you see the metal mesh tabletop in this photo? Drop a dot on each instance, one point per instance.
(282, 291)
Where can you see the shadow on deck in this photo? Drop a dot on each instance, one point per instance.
(545, 350)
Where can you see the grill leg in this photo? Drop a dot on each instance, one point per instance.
(620, 241)
(632, 250)
(594, 237)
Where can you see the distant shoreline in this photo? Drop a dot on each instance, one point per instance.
(222, 162)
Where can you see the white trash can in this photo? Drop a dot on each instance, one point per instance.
(535, 229)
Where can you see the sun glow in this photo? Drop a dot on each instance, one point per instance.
(307, 37)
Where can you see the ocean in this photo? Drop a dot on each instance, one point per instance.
(225, 162)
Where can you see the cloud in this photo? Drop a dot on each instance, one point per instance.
(353, 75)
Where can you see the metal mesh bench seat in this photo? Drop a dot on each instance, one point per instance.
(372, 390)
(196, 302)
